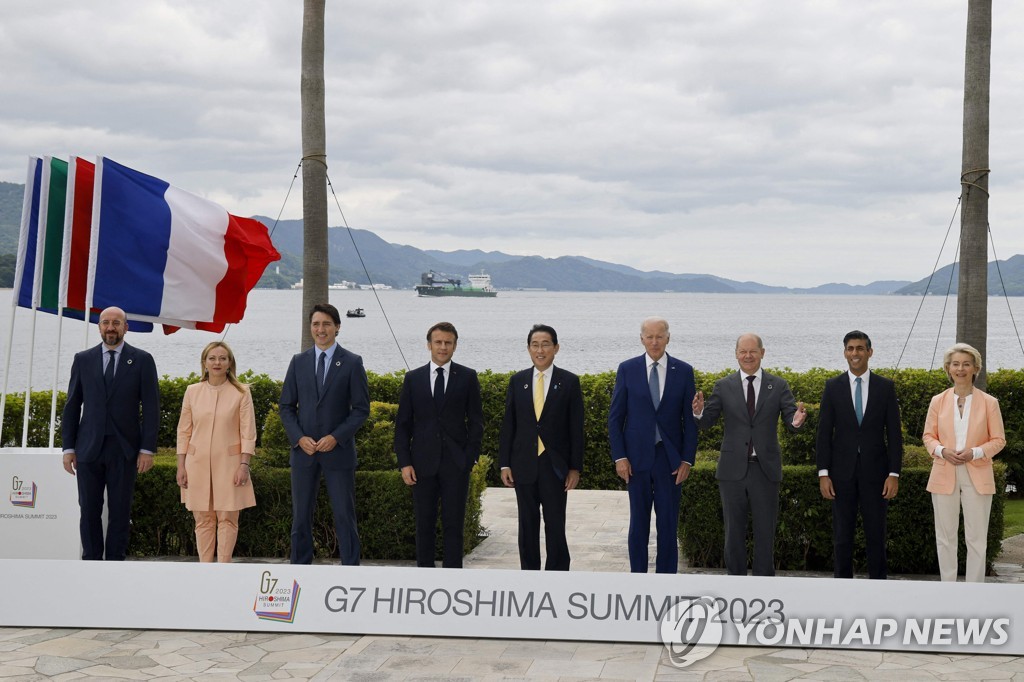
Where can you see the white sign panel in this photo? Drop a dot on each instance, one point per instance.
(39, 508)
(804, 612)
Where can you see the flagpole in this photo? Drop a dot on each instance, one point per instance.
(19, 273)
(37, 285)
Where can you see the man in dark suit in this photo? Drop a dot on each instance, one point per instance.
(653, 442)
(324, 400)
(750, 464)
(859, 455)
(541, 449)
(438, 431)
(113, 386)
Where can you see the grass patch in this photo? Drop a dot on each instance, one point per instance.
(1013, 518)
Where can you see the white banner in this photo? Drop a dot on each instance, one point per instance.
(806, 612)
(39, 511)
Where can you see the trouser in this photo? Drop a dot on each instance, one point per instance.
(216, 531)
(654, 488)
(114, 473)
(977, 508)
(752, 492)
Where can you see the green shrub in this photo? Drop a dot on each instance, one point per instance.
(803, 539)
(161, 526)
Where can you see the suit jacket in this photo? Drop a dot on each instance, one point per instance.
(984, 430)
(132, 406)
(560, 426)
(632, 417)
(216, 426)
(423, 435)
(729, 400)
(878, 438)
(340, 411)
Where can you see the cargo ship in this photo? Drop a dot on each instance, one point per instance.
(439, 284)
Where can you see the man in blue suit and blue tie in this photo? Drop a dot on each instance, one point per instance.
(653, 440)
(324, 400)
(109, 429)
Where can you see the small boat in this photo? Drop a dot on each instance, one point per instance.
(358, 312)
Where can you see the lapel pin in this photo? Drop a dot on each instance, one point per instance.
(769, 387)
(337, 363)
(526, 385)
(129, 361)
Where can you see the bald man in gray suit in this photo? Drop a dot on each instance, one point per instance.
(750, 465)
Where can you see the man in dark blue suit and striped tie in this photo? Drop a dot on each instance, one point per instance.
(653, 440)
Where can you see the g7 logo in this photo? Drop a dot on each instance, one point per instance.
(16, 484)
(267, 583)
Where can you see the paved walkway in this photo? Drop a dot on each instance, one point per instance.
(597, 544)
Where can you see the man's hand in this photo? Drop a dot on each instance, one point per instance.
(799, 416)
(182, 477)
(623, 469)
(890, 487)
(327, 443)
(409, 475)
(145, 462)
(307, 445)
(827, 491)
(698, 403)
(682, 473)
(506, 478)
(572, 480)
(70, 463)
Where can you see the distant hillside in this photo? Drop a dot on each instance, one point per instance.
(400, 265)
(948, 278)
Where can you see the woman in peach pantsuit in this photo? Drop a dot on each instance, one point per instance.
(963, 432)
(216, 441)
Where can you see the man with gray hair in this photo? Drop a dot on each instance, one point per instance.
(750, 465)
(653, 443)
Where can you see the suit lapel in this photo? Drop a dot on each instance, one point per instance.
(767, 386)
(846, 398)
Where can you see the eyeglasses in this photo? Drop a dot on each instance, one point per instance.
(543, 345)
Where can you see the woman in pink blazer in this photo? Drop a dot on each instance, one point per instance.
(216, 441)
(963, 432)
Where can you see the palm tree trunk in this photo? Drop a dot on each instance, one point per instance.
(314, 165)
(972, 296)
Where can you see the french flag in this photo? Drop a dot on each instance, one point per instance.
(169, 256)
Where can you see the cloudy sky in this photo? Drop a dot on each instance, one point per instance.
(792, 143)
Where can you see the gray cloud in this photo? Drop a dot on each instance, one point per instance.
(822, 137)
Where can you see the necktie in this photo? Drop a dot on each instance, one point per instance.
(654, 381)
(538, 406)
(321, 373)
(108, 373)
(439, 388)
(858, 402)
(750, 410)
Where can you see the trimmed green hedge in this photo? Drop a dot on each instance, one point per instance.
(803, 540)
(161, 526)
(914, 388)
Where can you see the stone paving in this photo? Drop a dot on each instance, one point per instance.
(597, 530)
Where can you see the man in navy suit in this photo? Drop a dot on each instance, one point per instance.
(653, 441)
(324, 401)
(113, 386)
(859, 455)
(541, 449)
(438, 431)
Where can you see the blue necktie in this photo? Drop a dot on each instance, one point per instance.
(858, 403)
(321, 373)
(655, 384)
